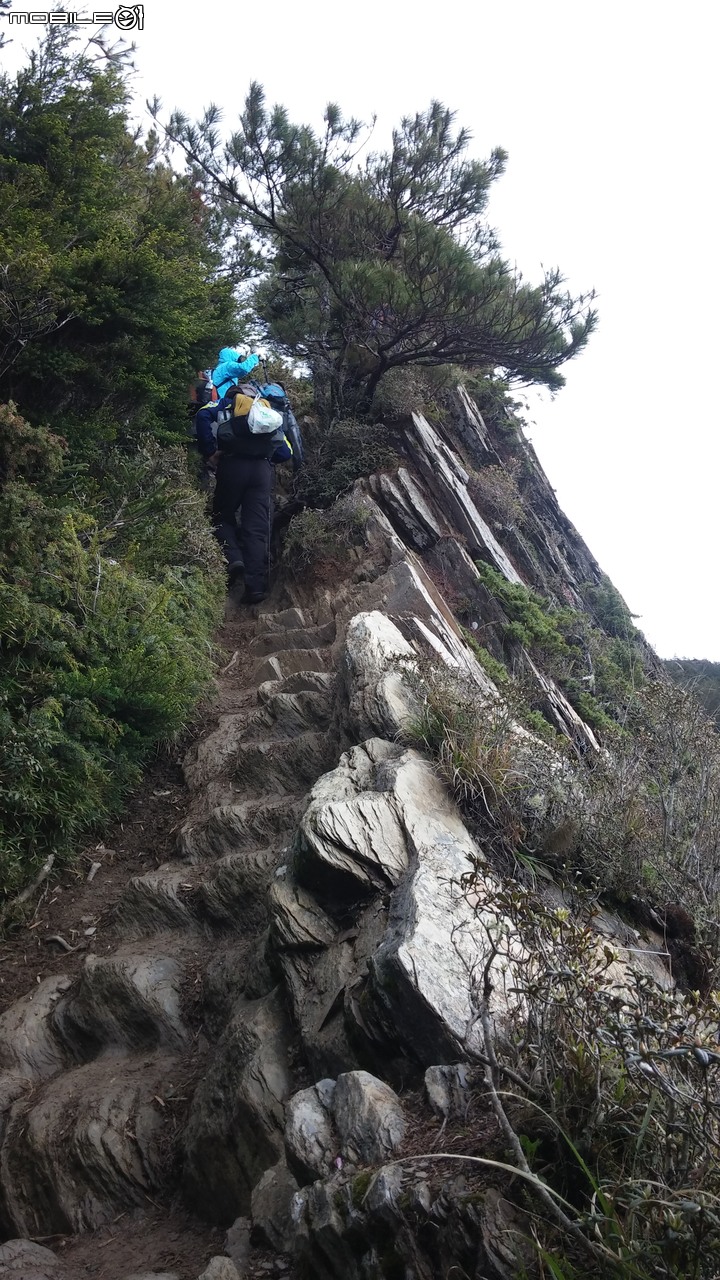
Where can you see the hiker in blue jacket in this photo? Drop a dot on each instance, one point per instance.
(231, 368)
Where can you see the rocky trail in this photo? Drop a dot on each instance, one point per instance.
(106, 1037)
(235, 1034)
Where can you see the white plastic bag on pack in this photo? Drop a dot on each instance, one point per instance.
(263, 419)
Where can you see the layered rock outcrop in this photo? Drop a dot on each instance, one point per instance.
(319, 892)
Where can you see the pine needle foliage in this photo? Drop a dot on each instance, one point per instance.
(376, 260)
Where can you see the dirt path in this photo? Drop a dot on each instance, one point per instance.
(73, 916)
(77, 906)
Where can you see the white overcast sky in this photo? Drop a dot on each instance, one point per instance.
(609, 113)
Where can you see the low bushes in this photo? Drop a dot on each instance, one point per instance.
(338, 455)
(598, 669)
(110, 586)
(605, 1085)
(639, 823)
(607, 1090)
(318, 543)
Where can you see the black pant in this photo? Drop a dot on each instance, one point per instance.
(246, 483)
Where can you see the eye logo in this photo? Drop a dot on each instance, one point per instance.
(130, 17)
(126, 17)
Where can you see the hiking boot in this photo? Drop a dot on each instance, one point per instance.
(253, 597)
(235, 570)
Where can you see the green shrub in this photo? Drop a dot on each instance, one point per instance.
(607, 1091)
(496, 671)
(411, 389)
(495, 493)
(599, 675)
(104, 634)
(609, 608)
(338, 455)
(317, 542)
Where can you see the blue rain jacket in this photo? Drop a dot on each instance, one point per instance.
(231, 369)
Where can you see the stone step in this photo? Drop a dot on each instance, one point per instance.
(284, 765)
(288, 661)
(249, 824)
(129, 1001)
(295, 618)
(290, 714)
(298, 682)
(159, 901)
(208, 758)
(232, 892)
(235, 893)
(267, 642)
(90, 1144)
(282, 714)
(287, 619)
(29, 1045)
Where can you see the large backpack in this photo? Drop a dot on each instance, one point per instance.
(202, 392)
(235, 434)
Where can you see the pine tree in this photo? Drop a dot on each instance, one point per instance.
(375, 264)
(112, 290)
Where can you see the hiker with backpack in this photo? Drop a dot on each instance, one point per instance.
(232, 367)
(201, 392)
(242, 437)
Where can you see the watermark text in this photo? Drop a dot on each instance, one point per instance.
(126, 18)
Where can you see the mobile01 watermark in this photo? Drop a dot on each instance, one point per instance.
(126, 18)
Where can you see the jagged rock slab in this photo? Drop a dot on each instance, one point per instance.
(448, 479)
(448, 1087)
(85, 1146)
(368, 1117)
(129, 1000)
(414, 517)
(298, 922)
(380, 698)
(158, 901)
(234, 1132)
(29, 1046)
(311, 1142)
(472, 431)
(395, 1226)
(357, 1118)
(232, 828)
(25, 1260)
(383, 819)
(271, 1207)
(420, 977)
(353, 844)
(322, 964)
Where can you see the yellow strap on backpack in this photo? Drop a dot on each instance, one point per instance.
(242, 405)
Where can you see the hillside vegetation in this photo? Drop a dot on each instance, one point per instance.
(110, 586)
(702, 677)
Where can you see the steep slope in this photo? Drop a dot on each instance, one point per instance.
(280, 1009)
